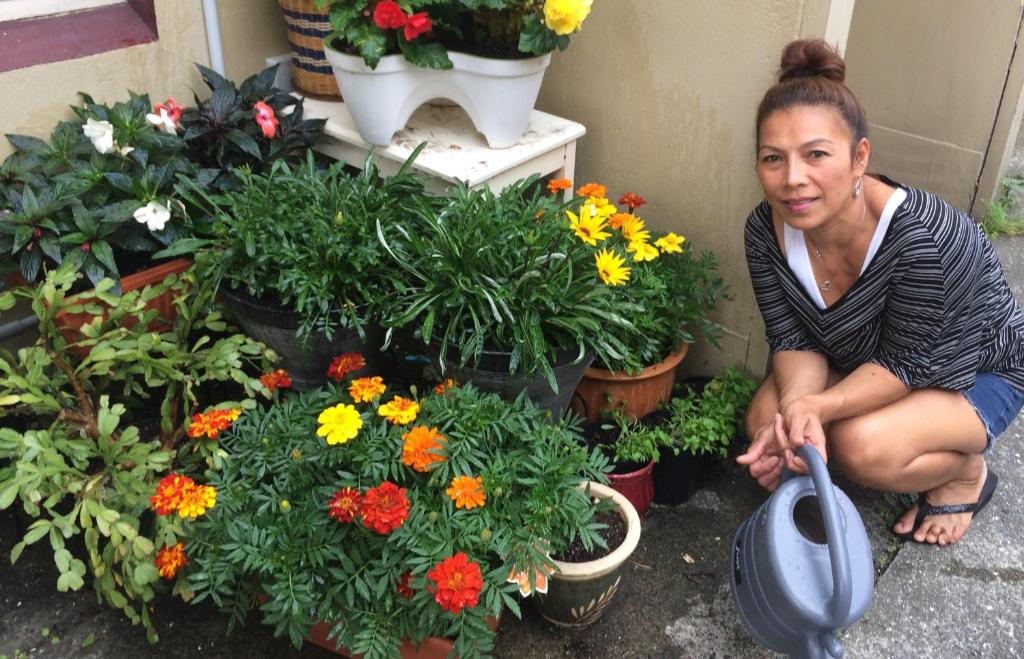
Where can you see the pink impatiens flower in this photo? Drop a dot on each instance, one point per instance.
(166, 116)
(266, 119)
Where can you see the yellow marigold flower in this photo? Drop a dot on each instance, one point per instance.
(197, 500)
(642, 251)
(592, 190)
(339, 423)
(399, 411)
(169, 559)
(633, 229)
(467, 492)
(566, 16)
(587, 227)
(611, 268)
(363, 390)
(421, 448)
(616, 220)
(670, 243)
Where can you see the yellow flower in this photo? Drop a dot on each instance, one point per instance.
(616, 220)
(339, 423)
(566, 16)
(197, 500)
(642, 251)
(399, 411)
(588, 228)
(467, 492)
(633, 229)
(670, 243)
(363, 390)
(601, 207)
(611, 268)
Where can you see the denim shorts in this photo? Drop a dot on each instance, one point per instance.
(997, 403)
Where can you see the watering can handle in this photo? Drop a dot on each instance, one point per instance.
(842, 583)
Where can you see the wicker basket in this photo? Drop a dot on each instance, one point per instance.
(307, 28)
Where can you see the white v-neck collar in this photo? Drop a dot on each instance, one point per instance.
(799, 259)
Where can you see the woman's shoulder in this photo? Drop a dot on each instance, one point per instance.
(760, 219)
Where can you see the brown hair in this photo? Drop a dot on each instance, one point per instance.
(811, 73)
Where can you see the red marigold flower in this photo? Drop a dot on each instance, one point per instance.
(213, 422)
(387, 15)
(170, 559)
(170, 492)
(417, 25)
(344, 505)
(344, 364)
(556, 185)
(403, 587)
(384, 508)
(592, 190)
(265, 119)
(456, 583)
(275, 380)
(633, 200)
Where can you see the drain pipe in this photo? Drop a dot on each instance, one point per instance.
(213, 41)
(17, 326)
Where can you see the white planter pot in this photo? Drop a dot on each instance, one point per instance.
(497, 94)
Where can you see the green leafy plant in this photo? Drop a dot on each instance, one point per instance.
(354, 530)
(706, 424)
(424, 30)
(89, 426)
(1003, 217)
(635, 440)
(502, 272)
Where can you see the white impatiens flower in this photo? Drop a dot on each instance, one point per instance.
(125, 150)
(163, 120)
(101, 134)
(154, 215)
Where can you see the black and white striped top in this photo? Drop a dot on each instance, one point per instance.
(932, 306)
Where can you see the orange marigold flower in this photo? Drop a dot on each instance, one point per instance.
(384, 508)
(399, 411)
(275, 380)
(456, 583)
(446, 386)
(403, 587)
(592, 190)
(618, 219)
(213, 422)
(344, 505)
(421, 448)
(197, 500)
(556, 185)
(363, 390)
(632, 200)
(170, 492)
(467, 492)
(344, 364)
(170, 559)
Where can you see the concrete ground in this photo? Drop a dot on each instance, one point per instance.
(961, 601)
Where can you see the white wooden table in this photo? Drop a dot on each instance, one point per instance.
(455, 151)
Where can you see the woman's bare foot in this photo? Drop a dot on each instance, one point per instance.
(947, 529)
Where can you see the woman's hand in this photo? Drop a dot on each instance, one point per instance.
(800, 422)
(765, 457)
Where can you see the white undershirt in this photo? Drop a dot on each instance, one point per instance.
(799, 258)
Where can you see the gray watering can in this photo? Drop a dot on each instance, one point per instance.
(801, 565)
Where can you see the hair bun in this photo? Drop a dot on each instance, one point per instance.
(805, 58)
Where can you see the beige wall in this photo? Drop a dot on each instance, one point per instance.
(668, 90)
(36, 98)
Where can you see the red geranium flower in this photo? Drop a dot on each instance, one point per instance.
(344, 364)
(384, 508)
(387, 15)
(344, 505)
(633, 200)
(266, 119)
(456, 583)
(403, 587)
(417, 25)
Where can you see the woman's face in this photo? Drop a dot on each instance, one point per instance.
(804, 164)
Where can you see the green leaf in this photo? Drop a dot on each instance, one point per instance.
(426, 54)
(245, 142)
(38, 529)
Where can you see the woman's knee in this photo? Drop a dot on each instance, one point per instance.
(862, 450)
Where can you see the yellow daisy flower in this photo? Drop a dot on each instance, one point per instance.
(339, 423)
(642, 251)
(633, 229)
(587, 226)
(399, 411)
(611, 268)
(670, 243)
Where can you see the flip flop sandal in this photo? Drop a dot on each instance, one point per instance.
(925, 509)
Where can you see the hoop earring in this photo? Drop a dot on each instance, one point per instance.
(856, 188)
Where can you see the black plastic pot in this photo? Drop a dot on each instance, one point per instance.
(678, 477)
(305, 360)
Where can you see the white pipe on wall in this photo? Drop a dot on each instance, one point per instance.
(213, 41)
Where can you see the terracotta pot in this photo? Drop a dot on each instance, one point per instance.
(601, 390)
(637, 486)
(432, 647)
(579, 593)
(163, 304)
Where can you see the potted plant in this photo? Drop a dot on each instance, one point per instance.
(295, 254)
(633, 447)
(506, 295)
(666, 292)
(308, 24)
(99, 434)
(701, 425)
(391, 57)
(390, 518)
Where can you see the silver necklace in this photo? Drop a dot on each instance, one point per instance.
(827, 284)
